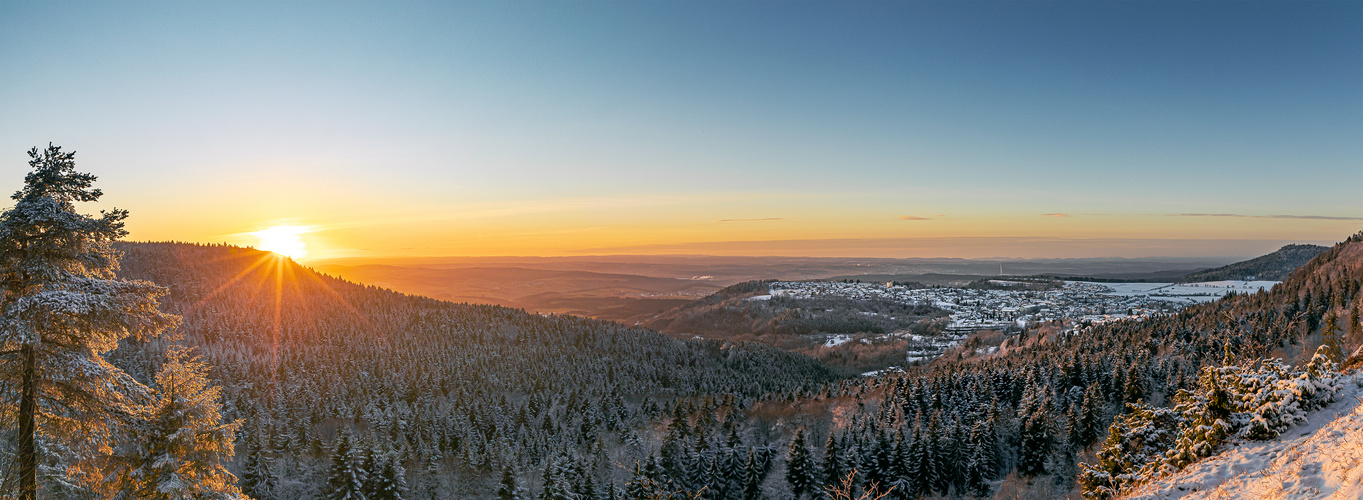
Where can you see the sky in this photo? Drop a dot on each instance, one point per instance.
(876, 129)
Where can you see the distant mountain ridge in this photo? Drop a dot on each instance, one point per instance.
(1275, 266)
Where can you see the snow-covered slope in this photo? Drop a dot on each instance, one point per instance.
(1320, 459)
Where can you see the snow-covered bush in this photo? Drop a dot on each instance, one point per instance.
(1275, 397)
(1230, 402)
(1133, 452)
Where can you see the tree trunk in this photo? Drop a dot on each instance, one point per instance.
(28, 409)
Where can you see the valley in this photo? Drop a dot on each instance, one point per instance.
(680, 250)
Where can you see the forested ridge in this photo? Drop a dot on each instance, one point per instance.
(342, 387)
(1271, 267)
(451, 393)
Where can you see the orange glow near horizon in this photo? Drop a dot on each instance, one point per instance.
(775, 228)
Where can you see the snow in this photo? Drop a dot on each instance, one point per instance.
(1321, 459)
(1186, 292)
(759, 297)
(877, 373)
(837, 340)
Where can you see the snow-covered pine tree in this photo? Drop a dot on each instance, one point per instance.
(388, 480)
(1136, 443)
(903, 473)
(510, 489)
(61, 310)
(923, 461)
(800, 473)
(1036, 439)
(258, 479)
(370, 466)
(753, 475)
(179, 449)
(558, 484)
(1090, 422)
(982, 461)
(834, 467)
(345, 480)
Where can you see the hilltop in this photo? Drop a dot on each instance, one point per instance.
(1272, 267)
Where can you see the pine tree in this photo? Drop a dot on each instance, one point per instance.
(1331, 338)
(179, 450)
(510, 489)
(345, 480)
(982, 462)
(800, 474)
(903, 472)
(257, 478)
(753, 474)
(1090, 422)
(1036, 440)
(834, 466)
(63, 310)
(558, 484)
(925, 461)
(388, 481)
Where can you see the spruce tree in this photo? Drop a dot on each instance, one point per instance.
(1037, 439)
(257, 478)
(62, 309)
(179, 450)
(834, 467)
(753, 475)
(1331, 338)
(982, 463)
(389, 480)
(509, 488)
(1090, 422)
(800, 474)
(925, 461)
(345, 480)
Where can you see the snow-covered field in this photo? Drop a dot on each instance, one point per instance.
(1320, 459)
(837, 340)
(1187, 292)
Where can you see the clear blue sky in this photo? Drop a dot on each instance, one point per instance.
(399, 128)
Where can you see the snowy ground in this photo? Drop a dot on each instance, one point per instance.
(1321, 459)
(837, 340)
(1187, 292)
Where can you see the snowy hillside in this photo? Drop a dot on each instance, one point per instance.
(1320, 459)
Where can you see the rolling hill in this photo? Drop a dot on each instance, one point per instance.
(1272, 267)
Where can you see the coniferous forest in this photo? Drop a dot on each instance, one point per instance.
(175, 370)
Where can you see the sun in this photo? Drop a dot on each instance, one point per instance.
(284, 240)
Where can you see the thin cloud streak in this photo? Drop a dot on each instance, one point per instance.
(914, 217)
(1056, 215)
(755, 220)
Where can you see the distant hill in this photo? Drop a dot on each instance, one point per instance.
(1272, 267)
